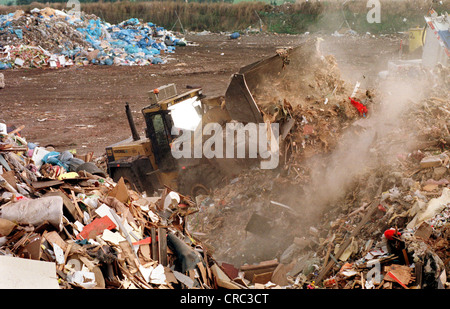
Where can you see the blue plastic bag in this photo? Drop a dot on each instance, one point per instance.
(235, 35)
(53, 159)
(156, 60)
(132, 49)
(109, 61)
(4, 66)
(19, 33)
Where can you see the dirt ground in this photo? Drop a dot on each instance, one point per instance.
(83, 108)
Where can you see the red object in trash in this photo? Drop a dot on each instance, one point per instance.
(96, 227)
(362, 109)
(381, 208)
(389, 234)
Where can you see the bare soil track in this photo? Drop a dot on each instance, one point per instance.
(83, 108)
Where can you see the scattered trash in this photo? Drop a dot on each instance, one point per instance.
(66, 229)
(362, 109)
(75, 227)
(54, 38)
(389, 231)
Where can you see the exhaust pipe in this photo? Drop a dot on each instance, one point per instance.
(131, 123)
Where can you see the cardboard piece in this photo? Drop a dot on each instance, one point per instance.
(53, 237)
(6, 227)
(9, 177)
(33, 249)
(145, 252)
(398, 273)
(279, 275)
(424, 231)
(111, 237)
(120, 191)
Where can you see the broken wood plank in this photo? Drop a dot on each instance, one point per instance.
(15, 149)
(38, 185)
(66, 254)
(262, 278)
(80, 213)
(262, 265)
(418, 273)
(16, 237)
(154, 244)
(202, 272)
(16, 130)
(162, 246)
(250, 271)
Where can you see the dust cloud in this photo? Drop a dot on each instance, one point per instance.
(368, 144)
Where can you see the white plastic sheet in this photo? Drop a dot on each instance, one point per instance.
(35, 211)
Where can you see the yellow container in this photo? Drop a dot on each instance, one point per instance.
(415, 38)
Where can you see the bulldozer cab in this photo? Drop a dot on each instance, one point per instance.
(165, 117)
(159, 126)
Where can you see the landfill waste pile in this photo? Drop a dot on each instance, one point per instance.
(65, 224)
(53, 38)
(393, 222)
(362, 201)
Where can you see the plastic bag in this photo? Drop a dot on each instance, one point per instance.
(35, 211)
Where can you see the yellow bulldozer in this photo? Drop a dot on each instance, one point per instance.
(147, 164)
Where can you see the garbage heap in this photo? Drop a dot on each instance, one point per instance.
(54, 38)
(65, 224)
(390, 230)
(387, 228)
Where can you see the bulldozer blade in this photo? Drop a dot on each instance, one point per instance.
(240, 103)
(252, 88)
(239, 99)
